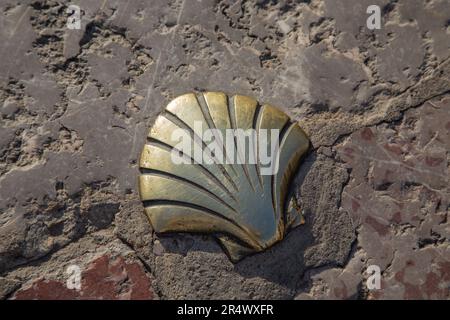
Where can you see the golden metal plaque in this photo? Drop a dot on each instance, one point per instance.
(222, 165)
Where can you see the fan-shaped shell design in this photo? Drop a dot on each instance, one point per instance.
(244, 209)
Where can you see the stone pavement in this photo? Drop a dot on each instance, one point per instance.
(76, 105)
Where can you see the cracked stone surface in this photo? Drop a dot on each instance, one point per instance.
(76, 105)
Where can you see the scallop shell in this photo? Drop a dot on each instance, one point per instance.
(244, 209)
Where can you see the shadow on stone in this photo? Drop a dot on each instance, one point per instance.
(184, 261)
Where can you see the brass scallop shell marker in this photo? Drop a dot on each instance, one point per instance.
(229, 196)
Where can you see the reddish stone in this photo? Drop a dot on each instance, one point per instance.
(349, 152)
(388, 175)
(355, 205)
(431, 286)
(412, 292)
(413, 194)
(433, 162)
(394, 148)
(410, 263)
(397, 217)
(380, 228)
(444, 269)
(367, 134)
(104, 278)
(341, 292)
(46, 290)
(101, 278)
(140, 283)
(447, 126)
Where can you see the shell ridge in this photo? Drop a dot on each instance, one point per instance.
(200, 188)
(266, 122)
(173, 203)
(180, 123)
(288, 126)
(205, 108)
(257, 126)
(183, 170)
(256, 147)
(276, 196)
(238, 154)
(208, 173)
(234, 248)
(281, 184)
(265, 180)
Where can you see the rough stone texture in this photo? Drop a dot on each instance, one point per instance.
(103, 279)
(76, 104)
(399, 197)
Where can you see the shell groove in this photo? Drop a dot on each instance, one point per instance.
(232, 199)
